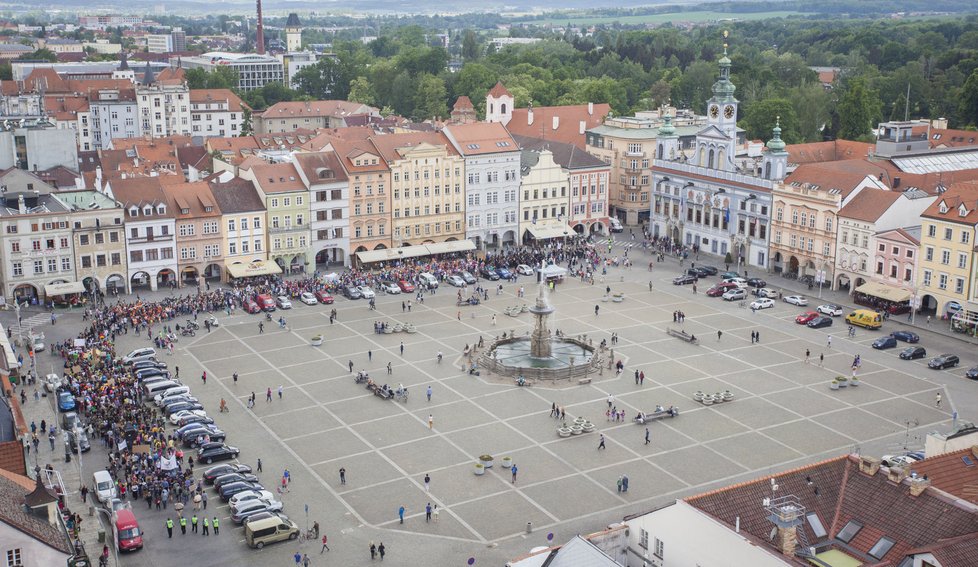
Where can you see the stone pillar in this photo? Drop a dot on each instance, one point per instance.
(787, 540)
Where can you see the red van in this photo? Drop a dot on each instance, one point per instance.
(127, 533)
(265, 301)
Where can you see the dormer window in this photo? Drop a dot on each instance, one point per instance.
(148, 211)
(160, 210)
(184, 211)
(208, 209)
(962, 210)
(134, 212)
(942, 208)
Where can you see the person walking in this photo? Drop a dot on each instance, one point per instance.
(193, 523)
(305, 560)
(431, 421)
(937, 400)
(261, 328)
(235, 377)
(169, 527)
(298, 558)
(183, 525)
(719, 334)
(807, 354)
(342, 475)
(350, 364)
(647, 436)
(636, 376)
(373, 551)
(513, 470)
(325, 547)
(829, 343)
(268, 395)
(601, 443)
(390, 369)
(427, 482)
(381, 550)
(216, 526)
(402, 348)
(258, 468)
(429, 393)
(821, 359)
(427, 513)
(596, 308)
(280, 391)
(400, 514)
(370, 355)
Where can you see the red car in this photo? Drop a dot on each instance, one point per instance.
(323, 297)
(250, 306)
(720, 289)
(805, 317)
(405, 286)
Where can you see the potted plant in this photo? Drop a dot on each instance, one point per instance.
(727, 395)
(564, 431)
(480, 469)
(854, 382)
(486, 461)
(507, 462)
(317, 340)
(587, 427)
(834, 385)
(698, 395)
(842, 380)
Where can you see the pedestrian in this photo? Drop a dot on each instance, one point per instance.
(821, 359)
(636, 376)
(268, 395)
(207, 526)
(431, 421)
(298, 558)
(807, 354)
(193, 523)
(757, 336)
(611, 399)
(493, 319)
(647, 436)
(624, 483)
(719, 334)
(434, 514)
(400, 514)
(596, 307)
(427, 513)
(216, 526)
(390, 369)
(619, 485)
(169, 527)
(203, 377)
(373, 551)
(203, 499)
(938, 399)
(429, 393)
(258, 468)
(84, 491)
(351, 365)
(305, 560)
(601, 443)
(829, 344)
(342, 475)
(183, 525)
(197, 500)
(402, 348)
(513, 470)
(641, 378)
(381, 550)
(325, 547)
(235, 377)
(280, 391)
(427, 482)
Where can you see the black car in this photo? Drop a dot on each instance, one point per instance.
(885, 343)
(351, 292)
(905, 336)
(145, 373)
(180, 406)
(194, 419)
(233, 477)
(708, 270)
(78, 440)
(684, 279)
(694, 272)
(216, 452)
(215, 436)
(914, 352)
(218, 470)
(232, 488)
(489, 273)
(756, 282)
(145, 364)
(972, 373)
(466, 277)
(944, 361)
(820, 321)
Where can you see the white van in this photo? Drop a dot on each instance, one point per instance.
(139, 353)
(428, 280)
(159, 387)
(174, 391)
(615, 225)
(104, 486)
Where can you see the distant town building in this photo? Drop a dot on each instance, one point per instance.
(254, 70)
(290, 116)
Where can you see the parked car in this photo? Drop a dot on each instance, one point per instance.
(693, 272)
(944, 361)
(805, 317)
(504, 273)
(366, 292)
(729, 275)
(762, 303)
(765, 292)
(69, 420)
(390, 288)
(906, 336)
(914, 352)
(735, 294)
(683, 280)
(265, 301)
(221, 452)
(233, 477)
(885, 343)
(145, 364)
(176, 417)
(308, 298)
(406, 286)
(720, 289)
(469, 278)
(899, 460)
(971, 374)
(820, 322)
(191, 419)
(697, 271)
(524, 270)
(218, 470)
(710, 270)
(229, 490)
(324, 297)
(251, 495)
(181, 406)
(489, 273)
(454, 280)
(193, 429)
(796, 300)
(52, 382)
(199, 438)
(741, 282)
(830, 310)
(250, 306)
(78, 440)
(139, 353)
(352, 292)
(66, 400)
(253, 507)
(756, 282)
(283, 302)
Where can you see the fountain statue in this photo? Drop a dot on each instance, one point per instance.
(540, 345)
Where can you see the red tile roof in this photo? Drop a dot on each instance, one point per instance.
(869, 204)
(480, 138)
(960, 197)
(499, 90)
(842, 176)
(949, 472)
(569, 120)
(463, 103)
(204, 96)
(834, 150)
(278, 178)
(953, 551)
(392, 147)
(335, 108)
(947, 138)
(12, 458)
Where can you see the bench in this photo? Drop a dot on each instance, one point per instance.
(584, 381)
(526, 382)
(644, 418)
(682, 335)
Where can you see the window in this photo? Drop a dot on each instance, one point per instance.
(230, 225)
(643, 539)
(13, 558)
(881, 548)
(849, 531)
(962, 260)
(828, 224)
(66, 263)
(659, 548)
(948, 233)
(817, 528)
(945, 256)
(942, 281)
(927, 275)
(18, 269)
(929, 254)
(965, 237)
(931, 230)
(38, 267)
(82, 239)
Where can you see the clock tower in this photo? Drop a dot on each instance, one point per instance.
(722, 106)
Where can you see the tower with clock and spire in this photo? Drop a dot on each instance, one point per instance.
(716, 144)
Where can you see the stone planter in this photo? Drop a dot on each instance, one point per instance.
(480, 469)
(843, 383)
(854, 382)
(507, 463)
(727, 395)
(698, 396)
(707, 399)
(388, 330)
(486, 461)
(576, 430)
(580, 420)
(587, 427)
(718, 398)
(833, 385)
(564, 431)
(398, 328)
(317, 341)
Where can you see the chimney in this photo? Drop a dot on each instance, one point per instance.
(590, 109)
(787, 540)
(582, 127)
(529, 117)
(918, 484)
(556, 122)
(21, 205)
(896, 474)
(869, 465)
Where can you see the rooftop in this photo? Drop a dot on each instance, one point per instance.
(869, 204)
(560, 123)
(237, 196)
(278, 178)
(480, 138)
(568, 156)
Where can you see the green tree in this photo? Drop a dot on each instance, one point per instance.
(813, 107)
(246, 126)
(470, 46)
(474, 81)
(968, 100)
(222, 78)
(42, 54)
(430, 98)
(361, 91)
(6, 72)
(659, 93)
(329, 78)
(859, 111)
(760, 119)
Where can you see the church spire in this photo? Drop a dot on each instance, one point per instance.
(776, 144)
(723, 89)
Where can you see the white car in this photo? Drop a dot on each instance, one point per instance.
(308, 298)
(740, 282)
(796, 300)
(180, 415)
(829, 309)
(283, 302)
(897, 460)
(456, 281)
(735, 294)
(250, 495)
(390, 287)
(524, 270)
(366, 292)
(762, 303)
(766, 292)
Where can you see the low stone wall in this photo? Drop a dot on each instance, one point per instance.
(578, 370)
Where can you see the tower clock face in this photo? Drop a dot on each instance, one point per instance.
(714, 111)
(728, 111)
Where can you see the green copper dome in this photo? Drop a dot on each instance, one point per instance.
(776, 144)
(667, 129)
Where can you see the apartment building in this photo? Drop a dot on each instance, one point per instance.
(287, 204)
(216, 112)
(99, 239)
(329, 194)
(369, 178)
(200, 248)
(545, 199)
(243, 229)
(150, 231)
(309, 115)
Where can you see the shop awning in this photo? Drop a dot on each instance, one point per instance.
(254, 268)
(54, 289)
(545, 232)
(882, 291)
(449, 247)
(391, 254)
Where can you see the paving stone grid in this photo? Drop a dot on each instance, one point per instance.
(783, 414)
